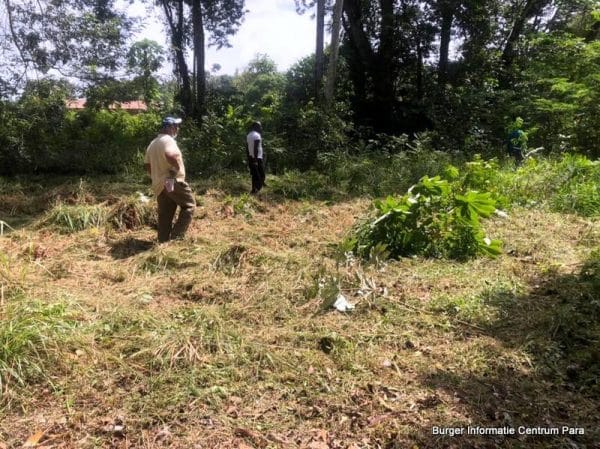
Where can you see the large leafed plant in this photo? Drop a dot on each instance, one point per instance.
(435, 218)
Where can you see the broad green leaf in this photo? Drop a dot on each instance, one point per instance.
(477, 203)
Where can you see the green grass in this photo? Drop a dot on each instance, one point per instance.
(32, 339)
(74, 218)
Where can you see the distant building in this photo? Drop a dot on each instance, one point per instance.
(132, 107)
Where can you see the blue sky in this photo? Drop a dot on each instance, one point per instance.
(270, 27)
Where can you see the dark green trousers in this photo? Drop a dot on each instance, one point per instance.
(168, 202)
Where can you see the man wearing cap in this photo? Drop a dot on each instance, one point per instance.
(256, 157)
(164, 164)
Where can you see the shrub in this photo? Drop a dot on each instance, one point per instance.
(434, 219)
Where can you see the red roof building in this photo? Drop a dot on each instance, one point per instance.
(133, 107)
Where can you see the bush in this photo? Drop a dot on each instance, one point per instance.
(434, 219)
(220, 143)
(103, 141)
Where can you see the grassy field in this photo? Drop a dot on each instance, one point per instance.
(227, 339)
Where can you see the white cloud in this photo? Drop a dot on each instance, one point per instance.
(270, 27)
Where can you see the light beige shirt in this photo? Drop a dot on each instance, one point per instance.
(159, 166)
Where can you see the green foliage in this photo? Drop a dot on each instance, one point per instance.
(436, 218)
(297, 185)
(383, 166)
(569, 184)
(144, 59)
(318, 131)
(105, 141)
(220, 143)
(563, 92)
(79, 39)
(32, 127)
(242, 205)
(40, 136)
(487, 176)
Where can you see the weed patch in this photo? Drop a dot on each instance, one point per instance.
(68, 219)
(32, 339)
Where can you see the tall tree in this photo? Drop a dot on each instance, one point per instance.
(319, 54)
(144, 59)
(334, 50)
(447, 10)
(529, 10)
(373, 44)
(217, 19)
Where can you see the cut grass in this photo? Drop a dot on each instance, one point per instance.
(225, 339)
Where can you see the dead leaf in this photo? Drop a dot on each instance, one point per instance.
(278, 439)
(321, 434)
(3, 445)
(242, 445)
(318, 445)
(232, 411)
(163, 435)
(34, 439)
(374, 420)
(255, 437)
(235, 400)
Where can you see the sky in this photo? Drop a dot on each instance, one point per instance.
(271, 27)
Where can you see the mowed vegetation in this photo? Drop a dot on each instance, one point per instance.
(228, 338)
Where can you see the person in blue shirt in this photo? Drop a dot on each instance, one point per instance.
(517, 140)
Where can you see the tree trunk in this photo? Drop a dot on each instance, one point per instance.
(420, 90)
(319, 56)
(384, 71)
(360, 56)
(199, 61)
(447, 14)
(373, 71)
(176, 25)
(358, 38)
(334, 49)
(531, 9)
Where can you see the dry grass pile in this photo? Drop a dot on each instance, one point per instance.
(227, 339)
